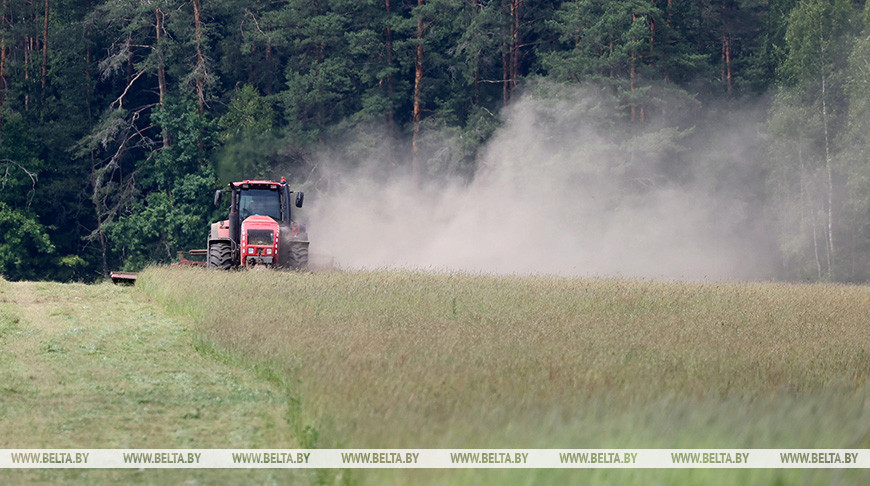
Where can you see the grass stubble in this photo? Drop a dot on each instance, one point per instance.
(398, 359)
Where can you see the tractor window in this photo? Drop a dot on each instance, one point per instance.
(263, 202)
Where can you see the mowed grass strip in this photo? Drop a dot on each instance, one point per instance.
(406, 359)
(101, 366)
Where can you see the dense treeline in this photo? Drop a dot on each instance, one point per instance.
(118, 118)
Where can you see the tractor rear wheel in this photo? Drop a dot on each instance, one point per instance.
(220, 255)
(299, 256)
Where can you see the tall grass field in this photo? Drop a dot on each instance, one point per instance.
(400, 359)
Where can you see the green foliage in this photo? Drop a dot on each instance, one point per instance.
(321, 74)
(165, 222)
(26, 252)
(856, 154)
(603, 38)
(247, 114)
(247, 132)
(625, 46)
(110, 109)
(177, 181)
(815, 208)
(818, 39)
(192, 138)
(19, 163)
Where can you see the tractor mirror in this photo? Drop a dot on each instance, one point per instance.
(217, 197)
(299, 198)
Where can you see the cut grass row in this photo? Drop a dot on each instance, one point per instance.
(404, 359)
(103, 367)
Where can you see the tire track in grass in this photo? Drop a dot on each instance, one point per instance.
(100, 366)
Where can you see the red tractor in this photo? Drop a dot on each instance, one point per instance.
(260, 229)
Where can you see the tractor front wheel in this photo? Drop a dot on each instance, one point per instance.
(220, 255)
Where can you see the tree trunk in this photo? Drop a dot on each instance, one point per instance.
(44, 53)
(129, 65)
(27, 47)
(515, 46)
(161, 68)
(726, 48)
(160, 17)
(3, 84)
(505, 74)
(103, 245)
(389, 46)
(200, 58)
(89, 89)
(632, 77)
(827, 139)
(816, 246)
(612, 70)
(418, 98)
(320, 112)
(511, 52)
(652, 43)
(806, 204)
(726, 62)
(200, 76)
(830, 208)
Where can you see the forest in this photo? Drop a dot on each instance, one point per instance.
(120, 118)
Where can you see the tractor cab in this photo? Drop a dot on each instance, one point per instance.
(260, 229)
(260, 202)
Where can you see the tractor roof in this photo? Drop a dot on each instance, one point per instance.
(249, 183)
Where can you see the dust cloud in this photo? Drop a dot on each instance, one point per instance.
(563, 189)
